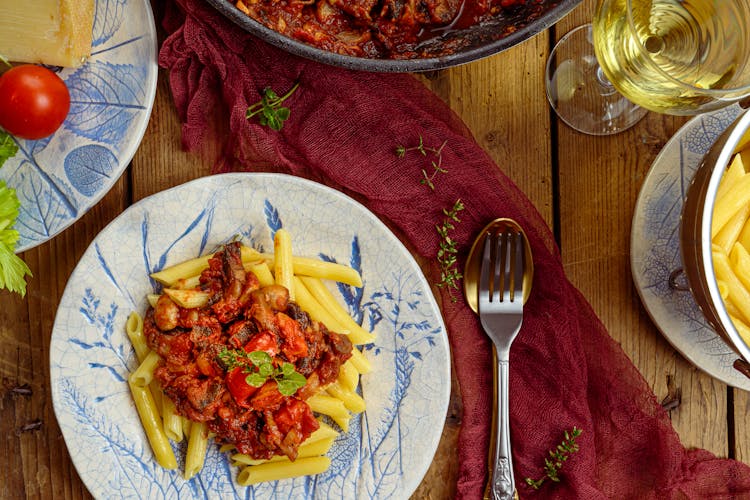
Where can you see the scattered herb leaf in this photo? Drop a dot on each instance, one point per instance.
(558, 455)
(259, 367)
(437, 163)
(446, 256)
(269, 110)
(12, 268)
(8, 147)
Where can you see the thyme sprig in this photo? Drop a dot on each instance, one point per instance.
(271, 113)
(436, 163)
(557, 457)
(259, 367)
(448, 249)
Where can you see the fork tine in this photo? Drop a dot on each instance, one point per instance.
(519, 255)
(497, 269)
(507, 270)
(484, 275)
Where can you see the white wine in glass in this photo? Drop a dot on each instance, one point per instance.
(680, 57)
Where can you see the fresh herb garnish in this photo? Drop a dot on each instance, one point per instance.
(271, 113)
(437, 163)
(8, 147)
(446, 256)
(259, 368)
(558, 455)
(12, 268)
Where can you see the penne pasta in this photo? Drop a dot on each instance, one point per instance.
(273, 471)
(738, 294)
(348, 376)
(360, 362)
(742, 328)
(182, 285)
(170, 276)
(331, 407)
(739, 258)
(144, 374)
(144, 404)
(306, 266)
(152, 299)
(186, 424)
(134, 331)
(736, 197)
(196, 449)
(262, 272)
(325, 298)
(744, 143)
(735, 170)
(283, 271)
(316, 311)
(308, 449)
(732, 229)
(172, 421)
(352, 401)
(189, 299)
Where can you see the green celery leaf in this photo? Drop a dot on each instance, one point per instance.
(12, 270)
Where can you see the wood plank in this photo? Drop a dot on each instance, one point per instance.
(37, 456)
(507, 112)
(503, 110)
(599, 182)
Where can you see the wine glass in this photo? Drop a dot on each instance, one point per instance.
(680, 57)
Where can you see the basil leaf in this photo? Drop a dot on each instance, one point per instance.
(255, 379)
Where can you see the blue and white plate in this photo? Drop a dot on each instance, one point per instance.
(59, 178)
(655, 248)
(387, 450)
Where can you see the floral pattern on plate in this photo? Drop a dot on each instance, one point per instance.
(386, 451)
(58, 178)
(655, 248)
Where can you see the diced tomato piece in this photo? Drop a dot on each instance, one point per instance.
(264, 341)
(293, 338)
(296, 414)
(268, 397)
(238, 387)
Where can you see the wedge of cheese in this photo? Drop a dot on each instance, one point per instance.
(53, 32)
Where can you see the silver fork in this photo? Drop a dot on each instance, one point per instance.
(500, 304)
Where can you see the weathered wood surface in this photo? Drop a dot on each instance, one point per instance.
(585, 187)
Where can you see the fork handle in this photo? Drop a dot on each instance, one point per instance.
(501, 485)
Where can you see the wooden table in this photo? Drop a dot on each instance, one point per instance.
(585, 187)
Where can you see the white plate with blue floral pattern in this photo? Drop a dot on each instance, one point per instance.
(655, 248)
(59, 178)
(387, 449)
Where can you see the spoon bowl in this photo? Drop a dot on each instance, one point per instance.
(474, 261)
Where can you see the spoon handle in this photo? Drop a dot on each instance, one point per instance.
(501, 485)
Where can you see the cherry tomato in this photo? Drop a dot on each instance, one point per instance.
(34, 101)
(238, 388)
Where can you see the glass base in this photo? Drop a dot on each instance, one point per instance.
(580, 93)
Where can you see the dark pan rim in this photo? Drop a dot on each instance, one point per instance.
(462, 56)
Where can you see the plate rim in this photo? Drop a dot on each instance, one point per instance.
(136, 137)
(414, 479)
(686, 350)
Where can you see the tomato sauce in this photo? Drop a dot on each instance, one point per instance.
(205, 364)
(389, 29)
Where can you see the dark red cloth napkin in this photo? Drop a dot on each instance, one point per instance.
(566, 370)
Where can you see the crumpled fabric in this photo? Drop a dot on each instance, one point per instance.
(565, 369)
